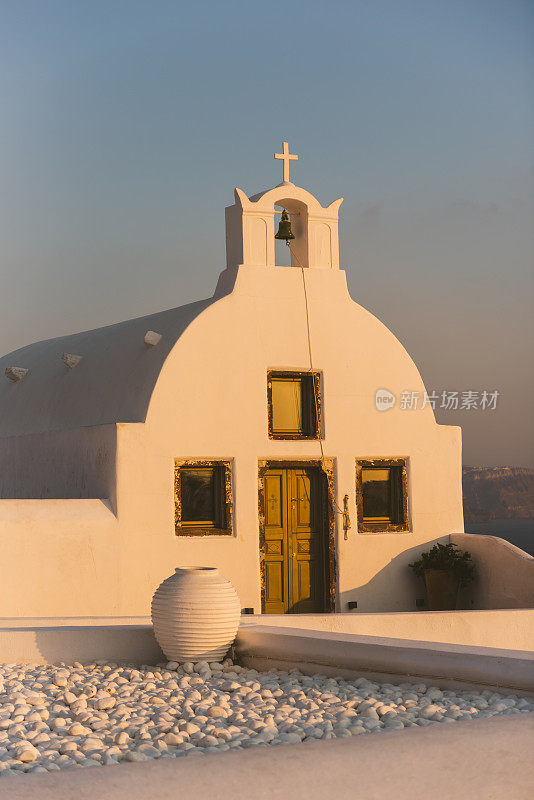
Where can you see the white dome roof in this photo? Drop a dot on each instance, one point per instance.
(112, 383)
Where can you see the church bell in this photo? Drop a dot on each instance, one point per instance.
(284, 228)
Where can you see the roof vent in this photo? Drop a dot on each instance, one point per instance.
(71, 360)
(152, 338)
(15, 373)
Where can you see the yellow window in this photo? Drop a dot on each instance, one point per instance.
(287, 405)
(294, 405)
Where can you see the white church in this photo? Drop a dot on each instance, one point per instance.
(242, 431)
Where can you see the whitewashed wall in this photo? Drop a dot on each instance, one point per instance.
(210, 401)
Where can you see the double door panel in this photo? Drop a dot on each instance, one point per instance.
(294, 541)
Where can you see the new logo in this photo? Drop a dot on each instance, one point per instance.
(384, 400)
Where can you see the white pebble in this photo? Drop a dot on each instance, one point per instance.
(216, 711)
(62, 717)
(92, 743)
(78, 730)
(67, 747)
(174, 739)
(25, 752)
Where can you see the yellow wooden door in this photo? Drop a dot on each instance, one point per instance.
(276, 543)
(294, 541)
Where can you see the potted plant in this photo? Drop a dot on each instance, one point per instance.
(444, 569)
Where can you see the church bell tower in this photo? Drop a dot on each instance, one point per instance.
(250, 225)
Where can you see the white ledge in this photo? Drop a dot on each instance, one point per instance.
(382, 658)
(465, 539)
(489, 758)
(72, 639)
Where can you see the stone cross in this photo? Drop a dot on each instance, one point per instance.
(286, 157)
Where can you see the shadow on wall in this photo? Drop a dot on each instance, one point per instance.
(59, 464)
(124, 643)
(394, 587)
(504, 579)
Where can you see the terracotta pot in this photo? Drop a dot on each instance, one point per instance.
(195, 614)
(441, 589)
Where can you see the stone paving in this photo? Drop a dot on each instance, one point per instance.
(57, 717)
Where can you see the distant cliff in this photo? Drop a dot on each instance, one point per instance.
(498, 493)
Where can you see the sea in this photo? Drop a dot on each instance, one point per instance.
(517, 531)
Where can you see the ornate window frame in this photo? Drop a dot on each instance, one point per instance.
(315, 375)
(382, 527)
(182, 528)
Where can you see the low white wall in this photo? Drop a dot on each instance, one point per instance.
(511, 629)
(488, 758)
(264, 647)
(49, 641)
(505, 573)
(381, 658)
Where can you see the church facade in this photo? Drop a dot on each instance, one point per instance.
(254, 431)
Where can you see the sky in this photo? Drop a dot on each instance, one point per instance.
(125, 126)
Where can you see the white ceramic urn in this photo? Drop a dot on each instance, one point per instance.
(195, 614)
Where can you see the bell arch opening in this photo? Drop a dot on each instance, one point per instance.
(298, 253)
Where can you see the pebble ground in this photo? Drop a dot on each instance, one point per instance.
(101, 714)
